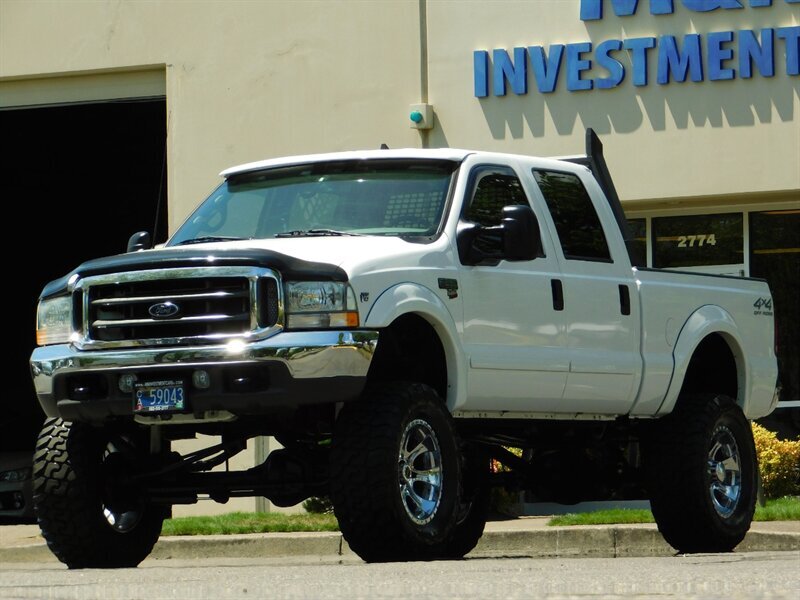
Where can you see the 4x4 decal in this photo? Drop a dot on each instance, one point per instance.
(763, 306)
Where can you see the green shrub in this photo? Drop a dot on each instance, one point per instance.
(779, 463)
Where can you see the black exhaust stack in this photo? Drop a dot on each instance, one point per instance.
(596, 163)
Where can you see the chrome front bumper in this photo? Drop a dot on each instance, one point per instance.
(298, 362)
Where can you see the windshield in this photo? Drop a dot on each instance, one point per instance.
(376, 197)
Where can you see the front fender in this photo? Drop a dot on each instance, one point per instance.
(412, 298)
(705, 321)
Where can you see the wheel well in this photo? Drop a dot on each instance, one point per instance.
(712, 369)
(410, 350)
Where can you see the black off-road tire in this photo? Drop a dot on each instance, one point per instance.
(71, 492)
(473, 510)
(369, 474)
(702, 474)
(468, 529)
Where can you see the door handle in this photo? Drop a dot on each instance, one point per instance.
(558, 294)
(624, 299)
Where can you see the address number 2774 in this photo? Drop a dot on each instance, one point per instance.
(701, 239)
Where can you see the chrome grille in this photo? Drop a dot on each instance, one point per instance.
(179, 306)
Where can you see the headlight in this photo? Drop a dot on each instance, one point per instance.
(54, 321)
(320, 304)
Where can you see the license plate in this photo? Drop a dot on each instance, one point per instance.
(159, 396)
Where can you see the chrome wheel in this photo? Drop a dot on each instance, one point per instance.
(724, 472)
(419, 468)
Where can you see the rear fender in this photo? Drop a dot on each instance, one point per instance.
(705, 321)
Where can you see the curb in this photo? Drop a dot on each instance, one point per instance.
(262, 545)
(609, 542)
(556, 542)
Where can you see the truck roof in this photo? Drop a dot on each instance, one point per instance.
(593, 159)
(404, 153)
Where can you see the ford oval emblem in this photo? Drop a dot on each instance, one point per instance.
(164, 310)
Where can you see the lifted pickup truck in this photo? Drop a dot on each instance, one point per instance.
(398, 319)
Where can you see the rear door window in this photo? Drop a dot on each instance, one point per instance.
(574, 216)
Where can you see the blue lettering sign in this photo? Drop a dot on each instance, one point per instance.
(675, 62)
(480, 69)
(504, 70)
(718, 54)
(639, 48)
(616, 71)
(576, 65)
(709, 5)
(792, 37)
(721, 53)
(546, 67)
(592, 10)
(751, 51)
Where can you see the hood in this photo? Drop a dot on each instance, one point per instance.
(295, 258)
(351, 254)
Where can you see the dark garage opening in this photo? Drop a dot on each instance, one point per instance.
(78, 180)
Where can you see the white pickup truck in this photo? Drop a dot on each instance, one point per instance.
(398, 319)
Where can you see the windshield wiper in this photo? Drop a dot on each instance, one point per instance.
(211, 238)
(313, 232)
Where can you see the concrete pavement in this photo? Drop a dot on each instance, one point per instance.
(523, 536)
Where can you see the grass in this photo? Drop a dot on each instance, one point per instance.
(782, 509)
(610, 516)
(241, 522)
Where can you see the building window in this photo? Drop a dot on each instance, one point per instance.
(775, 256)
(698, 240)
(638, 229)
(574, 216)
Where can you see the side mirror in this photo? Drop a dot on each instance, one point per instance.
(516, 238)
(479, 245)
(139, 241)
(521, 238)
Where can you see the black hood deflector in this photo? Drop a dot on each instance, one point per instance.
(290, 268)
